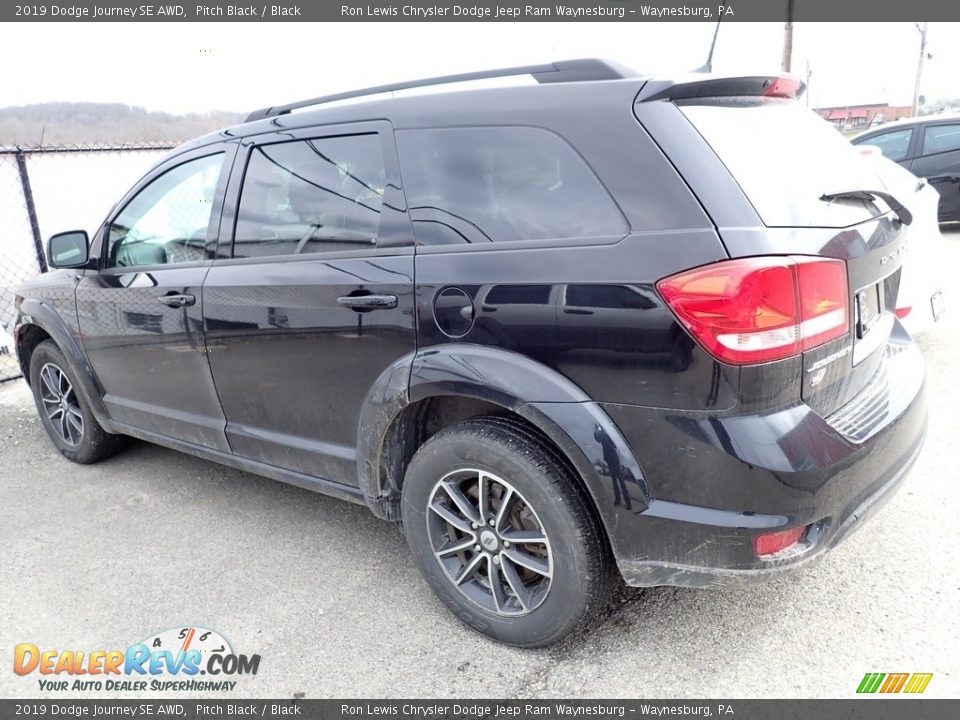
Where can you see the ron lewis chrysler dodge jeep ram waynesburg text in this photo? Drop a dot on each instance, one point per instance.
(599, 324)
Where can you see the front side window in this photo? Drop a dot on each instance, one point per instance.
(941, 138)
(309, 196)
(893, 145)
(501, 184)
(168, 220)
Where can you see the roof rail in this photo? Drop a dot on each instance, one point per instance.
(555, 72)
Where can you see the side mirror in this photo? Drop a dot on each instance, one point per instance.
(68, 249)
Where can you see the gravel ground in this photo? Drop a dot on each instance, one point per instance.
(102, 556)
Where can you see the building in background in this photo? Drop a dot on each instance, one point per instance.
(860, 117)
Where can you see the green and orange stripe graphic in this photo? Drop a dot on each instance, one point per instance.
(894, 682)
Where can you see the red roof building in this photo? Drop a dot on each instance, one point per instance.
(859, 117)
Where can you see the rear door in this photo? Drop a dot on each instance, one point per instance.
(938, 160)
(313, 298)
(140, 314)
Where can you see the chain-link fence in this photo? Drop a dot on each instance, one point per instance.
(46, 190)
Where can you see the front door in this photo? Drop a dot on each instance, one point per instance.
(315, 298)
(140, 314)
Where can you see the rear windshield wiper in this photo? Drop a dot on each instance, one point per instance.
(905, 216)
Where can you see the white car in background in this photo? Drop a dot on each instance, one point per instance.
(920, 301)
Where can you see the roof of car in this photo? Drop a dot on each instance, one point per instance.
(584, 85)
(448, 107)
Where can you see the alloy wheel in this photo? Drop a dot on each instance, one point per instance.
(489, 541)
(61, 405)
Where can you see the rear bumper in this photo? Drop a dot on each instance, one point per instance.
(719, 481)
(647, 573)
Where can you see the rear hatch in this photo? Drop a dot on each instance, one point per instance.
(814, 194)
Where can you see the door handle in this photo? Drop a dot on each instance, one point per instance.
(577, 311)
(368, 302)
(177, 299)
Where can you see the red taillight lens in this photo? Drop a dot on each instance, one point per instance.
(822, 288)
(782, 87)
(902, 312)
(775, 542)
(755, 310)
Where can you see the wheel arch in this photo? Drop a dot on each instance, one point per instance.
(26, 339)
(426, 391)
(38, 322)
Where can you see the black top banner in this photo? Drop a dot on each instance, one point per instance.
(484, 11)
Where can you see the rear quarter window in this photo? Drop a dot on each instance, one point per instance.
(784, 157)
(501, 184)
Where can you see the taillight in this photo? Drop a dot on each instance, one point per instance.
(902, 312)
(755, 310)
(782, 87)
(772, 543)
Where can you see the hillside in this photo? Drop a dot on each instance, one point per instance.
(63, 123)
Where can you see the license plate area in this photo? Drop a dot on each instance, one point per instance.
(868, 305)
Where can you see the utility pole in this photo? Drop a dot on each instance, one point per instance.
(923, 55)
(788, 39)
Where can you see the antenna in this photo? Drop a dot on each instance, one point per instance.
(708, 66)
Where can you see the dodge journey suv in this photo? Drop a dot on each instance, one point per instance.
(597, 326)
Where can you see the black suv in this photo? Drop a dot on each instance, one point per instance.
(599, 323)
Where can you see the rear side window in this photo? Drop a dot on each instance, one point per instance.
(941, 138)
(309, 196)
(893, 145)
(785, 157)
(501, 184)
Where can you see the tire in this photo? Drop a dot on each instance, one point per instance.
(554, 579)
(64, 414)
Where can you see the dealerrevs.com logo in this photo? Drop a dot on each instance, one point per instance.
(172, 660)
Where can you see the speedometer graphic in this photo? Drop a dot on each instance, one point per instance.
(184, 639)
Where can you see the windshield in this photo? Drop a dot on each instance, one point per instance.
(785, 157)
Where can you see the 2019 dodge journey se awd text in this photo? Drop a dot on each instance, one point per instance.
(602, 324)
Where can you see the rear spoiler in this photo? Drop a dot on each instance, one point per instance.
(703, 86)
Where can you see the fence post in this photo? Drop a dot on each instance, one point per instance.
(31, 209)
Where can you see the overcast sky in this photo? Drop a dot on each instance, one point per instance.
(241, 66)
